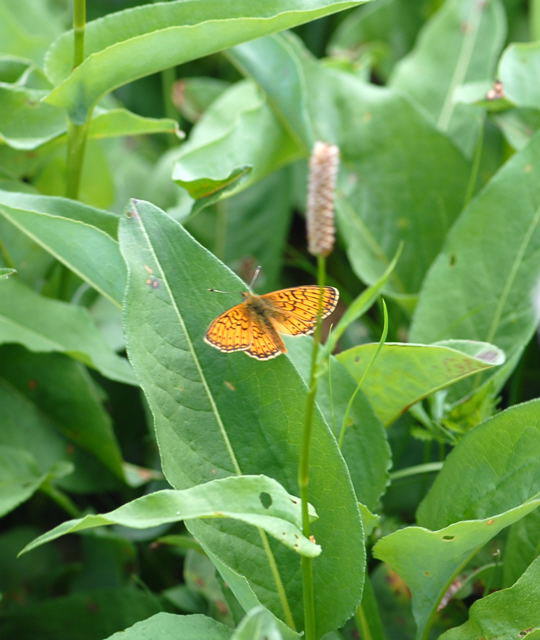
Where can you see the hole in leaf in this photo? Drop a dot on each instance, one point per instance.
(448, 537)
(265, 498)
(453, 260)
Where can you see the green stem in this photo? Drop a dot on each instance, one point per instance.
(367, 616)
(79, 25)
(76, 132)
(303, 467)
(429, 467)
(75, 156)
(61, 499)
(535, 19)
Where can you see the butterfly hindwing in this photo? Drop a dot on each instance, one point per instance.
(231, 331)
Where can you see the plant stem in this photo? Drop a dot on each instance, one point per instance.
(75, 156)
(79, 25)
(303, 467)
(429, 467)
(76, 132)
(367, 616)
(61, 499)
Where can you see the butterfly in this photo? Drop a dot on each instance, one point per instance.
(254, 325)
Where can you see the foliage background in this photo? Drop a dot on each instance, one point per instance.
(438, 209)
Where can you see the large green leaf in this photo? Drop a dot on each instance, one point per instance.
(221, 414)
(388, 193)
(459, 45)
(20, 476)
(43, 324)
(510, 613)
(482, 284)
(403, 374)
(62, 390)
(127, 45)
(26, 123)
(493, 468)
(169, 625)
(428, 560)
(62, 227)
(256, 500)
(259, 624)
(223, 154)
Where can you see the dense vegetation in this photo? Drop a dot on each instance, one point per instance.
(155, 151)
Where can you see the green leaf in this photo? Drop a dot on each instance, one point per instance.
(256, 500)
(25, 122)
(510, 613)
(20, 477)
(223, 154)
(260, 624)
(169, 625)
(428, 560)
(403, 373)
(459, 45)
(220, 414)
(43, 324)
(482, 285)
(63, 391)
(62, 227)
(131, 44)
(465, 489)
(28, 123)
(95, 613)
(121, 122)
(518, 67)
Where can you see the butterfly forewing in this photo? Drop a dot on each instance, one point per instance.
(300, 306)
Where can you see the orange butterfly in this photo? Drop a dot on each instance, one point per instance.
(253, 326)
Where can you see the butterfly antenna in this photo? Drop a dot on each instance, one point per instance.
(255, 276)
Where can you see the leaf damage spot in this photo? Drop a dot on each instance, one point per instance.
(453, 259)
(229, 385)
(449, 538)
(153, 282)
(490, 521)
(266, 499)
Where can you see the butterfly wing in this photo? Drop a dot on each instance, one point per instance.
(296, 308)
(231, 331)
(263, 346)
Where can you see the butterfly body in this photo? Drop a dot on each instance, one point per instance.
(254, 326)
